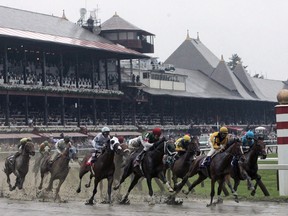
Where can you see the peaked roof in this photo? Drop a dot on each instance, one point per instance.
(192, 54)
(41, 27)
(118, 23)
(243, 77)
(223, 75)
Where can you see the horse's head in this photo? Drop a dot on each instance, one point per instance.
(259, 146)
(114, 145)
(29, 148)
(234, 147)
(194, 145)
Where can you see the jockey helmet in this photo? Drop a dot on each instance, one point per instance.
(187, 138)
(66, 139)
(157, 131)
(46, 142)
(250, 135)
(23, 140)
(105, 130)
(223, 130)
(121, 139)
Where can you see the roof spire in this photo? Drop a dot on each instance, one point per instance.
(64, 16)
(116, 15)
(222, 59)
(188, 37)
(198, 38)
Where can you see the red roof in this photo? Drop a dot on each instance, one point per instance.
(66, 40)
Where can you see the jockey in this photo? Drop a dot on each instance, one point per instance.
(98, 144)
(217, 141)
(182, 143)
(21, 145)
(44, 147)
(247, 141)
(147, 142)
(60, 147)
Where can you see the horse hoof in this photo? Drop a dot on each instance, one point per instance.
(125, 202)
(116, 187)
(185, 192)
(87, 185)
(253, 193)
(89, 202)
(78, 190)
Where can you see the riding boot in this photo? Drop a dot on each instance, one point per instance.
(205, 162)
(93, 158)
(139, 158)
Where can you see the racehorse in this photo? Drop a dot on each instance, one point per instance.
(59, 169)
(247, 169)
(152, 166)
(104, 168)
(218, 169)
(19, 166)
(181, 165)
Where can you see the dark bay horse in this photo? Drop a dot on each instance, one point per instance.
(119, 161)
(152, 167)
(181, 166)
(217, 171)
(59, 169)
(104, 167)
(247, 169)
(20, 166)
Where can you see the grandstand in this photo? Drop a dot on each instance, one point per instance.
(56, 75)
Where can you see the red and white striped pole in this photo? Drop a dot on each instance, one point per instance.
(282, 139)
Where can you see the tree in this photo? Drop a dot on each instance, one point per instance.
(234, 61)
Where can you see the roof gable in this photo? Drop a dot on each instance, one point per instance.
(193, 55)
(243, 76)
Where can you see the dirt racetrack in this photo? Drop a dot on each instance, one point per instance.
(30, 202)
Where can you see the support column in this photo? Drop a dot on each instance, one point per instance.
(62, 110)
(45, 110)
(282, 139)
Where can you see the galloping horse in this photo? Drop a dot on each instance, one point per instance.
(119, 160)
(104, 168)
(248, 168)
(59, 169)
(181, 166)
(20, 166)
(152, 166)
(217, 171)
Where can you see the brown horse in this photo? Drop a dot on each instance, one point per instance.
(104, 167)
(247, 169)
(119, 161)
(152, 166)
(59, 169)
(181, 166)
(19, 166)
(217, 171)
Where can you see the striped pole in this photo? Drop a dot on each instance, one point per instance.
(282, 140)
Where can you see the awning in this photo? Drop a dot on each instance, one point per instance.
(118, 133)
(18, 135)
(58, 135)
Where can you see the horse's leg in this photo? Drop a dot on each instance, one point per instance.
(82, 172)
(21, 182)
(102, 196)
(90, 201)
(90, 180)
(162, 177)
(160, 185)
(42, 178)
(233, 191)
(110, 182)
(57, 196)
(261, 185)
(200, 179)
(149, 184)
(127, 172)
(212, 193)
(125, 200)
(50, 185)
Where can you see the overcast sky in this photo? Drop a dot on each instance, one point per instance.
(256, 30)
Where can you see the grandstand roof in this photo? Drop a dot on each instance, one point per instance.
(209, 77)
(118, 23)
(40, 27)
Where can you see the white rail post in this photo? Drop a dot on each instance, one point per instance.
(282, 139)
